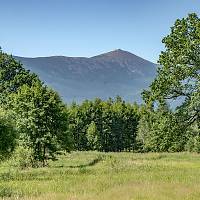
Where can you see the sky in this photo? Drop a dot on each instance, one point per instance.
(85, 28)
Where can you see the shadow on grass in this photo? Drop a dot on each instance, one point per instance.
(91, 163)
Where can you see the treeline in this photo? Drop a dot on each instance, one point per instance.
(34, 119)
(104, 125)
(35, 125)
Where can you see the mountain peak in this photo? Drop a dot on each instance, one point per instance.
(119, 52)
(115, 53)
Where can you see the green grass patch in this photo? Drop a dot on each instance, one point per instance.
(105, 176)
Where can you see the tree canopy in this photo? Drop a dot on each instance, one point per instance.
(12, 76)
(178, 75)
(39, 113)
(177, 84)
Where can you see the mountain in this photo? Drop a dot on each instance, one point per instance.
(107, 75)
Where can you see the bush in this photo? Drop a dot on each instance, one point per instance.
(193, 144)
(22, 158)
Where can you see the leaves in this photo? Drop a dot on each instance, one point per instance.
(178, 78)
(179, 72)
(104, 125)
(8, 134)
(42, 120)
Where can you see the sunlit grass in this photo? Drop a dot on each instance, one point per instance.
(106, 176)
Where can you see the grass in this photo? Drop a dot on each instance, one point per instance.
(106, 176)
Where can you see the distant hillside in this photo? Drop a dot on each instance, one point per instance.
(107, 75)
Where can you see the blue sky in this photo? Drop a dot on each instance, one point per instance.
(88, 27)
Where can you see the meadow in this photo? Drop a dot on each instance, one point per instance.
(106, 176)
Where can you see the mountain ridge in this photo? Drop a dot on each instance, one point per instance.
(113, 52)
(116, 72)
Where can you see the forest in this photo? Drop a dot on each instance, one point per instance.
(36, 125)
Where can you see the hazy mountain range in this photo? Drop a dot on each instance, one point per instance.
(77, 78)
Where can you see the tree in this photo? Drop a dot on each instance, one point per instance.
(104, 125)
(8, 135)
(12, 76)
(159, 131)
(41, 120)
(178, 76)
(80, 117)
(130, 120)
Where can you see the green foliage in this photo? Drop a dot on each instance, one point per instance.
(8, 135)
(41, 120)
(12, 76)
(193, 143)
(160, 131)
(178, 74)
(22, 158)
(178, 78)
(104, 125)
(92, 134)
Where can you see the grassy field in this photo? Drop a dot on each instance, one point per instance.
(106, 176)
